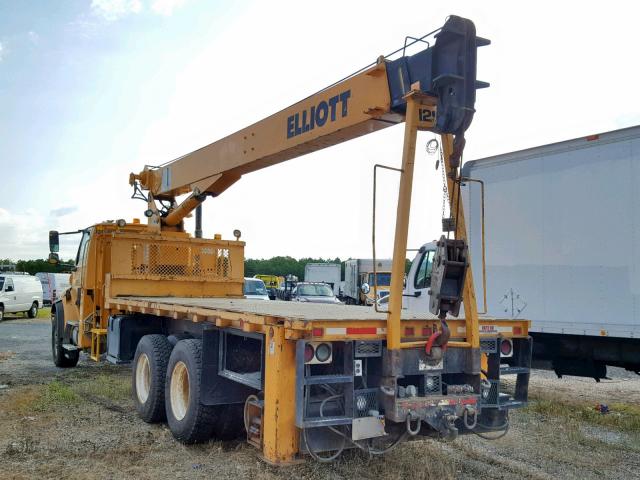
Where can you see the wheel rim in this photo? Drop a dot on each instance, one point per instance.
(179, 390)
(143, 378)
(34, 310)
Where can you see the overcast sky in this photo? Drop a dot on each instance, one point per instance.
(91, 90)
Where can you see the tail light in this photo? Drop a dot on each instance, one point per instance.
(506, 348)
(309, 352)
(318, 353)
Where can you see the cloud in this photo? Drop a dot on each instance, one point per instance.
(166, 7)
(22, 236)
(114, 9)
(1, 51)
(62, 211)
(34, 37)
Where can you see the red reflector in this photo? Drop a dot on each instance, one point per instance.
(317, 332)
(590, 138)
(426, 331)
(361, 330)
(409, 331)
(517, 330)
(506, 347)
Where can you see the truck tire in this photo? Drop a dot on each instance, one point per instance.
(148, 377)
(189, 420)
(33, 311)
(1, 312)
(61, 358)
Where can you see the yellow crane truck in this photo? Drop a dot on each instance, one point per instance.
(298, 378)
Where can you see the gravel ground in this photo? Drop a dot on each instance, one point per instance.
(80, 423)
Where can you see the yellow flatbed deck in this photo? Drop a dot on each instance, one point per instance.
(300, 317)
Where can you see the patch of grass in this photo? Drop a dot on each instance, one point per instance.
(55, 394)
(106, 385)
(419, 460)
(622, 417)
(21, 401)
(44, 313)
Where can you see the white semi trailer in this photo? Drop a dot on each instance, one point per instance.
(562, 247)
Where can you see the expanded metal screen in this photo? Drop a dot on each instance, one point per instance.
(368, 348)
(180, 260)
(489, 345)
(364, 401)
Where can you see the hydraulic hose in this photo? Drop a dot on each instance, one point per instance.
(368, 449)
(502, 428)
(314, 454)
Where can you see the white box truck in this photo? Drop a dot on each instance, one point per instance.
(359, 281)
(53, 285)
(562, 236)
(329, 273)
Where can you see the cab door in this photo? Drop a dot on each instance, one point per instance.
(79, 307)
(416, 298)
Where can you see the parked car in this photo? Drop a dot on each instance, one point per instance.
(53, 285)
(20, 293)
(255, 289)
(314, 293)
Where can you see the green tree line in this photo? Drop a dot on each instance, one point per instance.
(40, 265)
(252, 266)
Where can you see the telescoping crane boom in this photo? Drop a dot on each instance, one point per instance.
(369, 100)
(306, 378)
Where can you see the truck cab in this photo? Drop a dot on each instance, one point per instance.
(415, 296)
(416, 293)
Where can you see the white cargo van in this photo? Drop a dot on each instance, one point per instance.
(20, 293)
(53, 285)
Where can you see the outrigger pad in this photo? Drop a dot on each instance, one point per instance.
(447, 278)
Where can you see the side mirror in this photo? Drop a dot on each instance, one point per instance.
(9, 288)
(365, 288)
(53, 259)
(54, 242)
